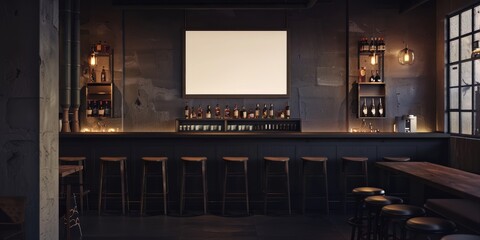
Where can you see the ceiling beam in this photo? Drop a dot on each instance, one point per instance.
(129, 4)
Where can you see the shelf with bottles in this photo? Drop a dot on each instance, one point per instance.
(101, 63)
(371, 107)
(238, 125)
(99, 100)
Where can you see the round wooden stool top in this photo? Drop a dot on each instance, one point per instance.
(154, 159)
(431, 224)
(72, 159)
(315, 159)
(235, 159)
(113, 159)
(461, 237)
(277, 159)
(194, 159)
(396, 159)
(355, 159)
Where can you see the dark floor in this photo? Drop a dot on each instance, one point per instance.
(296, 226)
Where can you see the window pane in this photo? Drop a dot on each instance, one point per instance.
(477, 18)
(466, 47)
(466, 100)
(466, 22)
(476, 125)
(454, 75)
(467, 123)
(454, 51)
(477, 72)
(454, 122)
(453, 98)
(454, 26)
(466, 74)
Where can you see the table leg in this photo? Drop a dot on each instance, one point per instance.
(417, 192)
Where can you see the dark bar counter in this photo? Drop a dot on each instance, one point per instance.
(428, 147)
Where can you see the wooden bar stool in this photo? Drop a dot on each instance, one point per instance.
(429, 226)
(363, 174)
(203, 175)
(122, 162)
(271, 160)
(357, 221)
(397, 215)
(146, 161)
(374, 205)
(230, 161)
(322, 161)
(81, 162)
(461, 237)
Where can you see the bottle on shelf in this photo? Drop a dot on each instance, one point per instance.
(193, 114)
(372, 45)
(217, 112)
(226, 112)
(363, 74)
(199, 112)
(381, 45)
(95, 109)
(372, 77)
(257, 111)
(364, 108)
(208, 114)
(89, 109)
(271, 111)
(377, 77)
(235, 111)
(373, 110)
(101, 110)
(287, 111)
(380, 108)
(108, 109)
(264, 111)
(103, 75)
(243, 112)
(93, 75)
(186, 111)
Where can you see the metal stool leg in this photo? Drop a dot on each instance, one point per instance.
(224, 188)
(182, 191)
(304, 187)
(326, 187)
(204, 181)
(142, 196)
(122, 179)
(246, 186)
(100, 189)
(288, 188)
(164, 180)
(266, 189)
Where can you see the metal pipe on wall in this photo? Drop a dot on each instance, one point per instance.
(65, 66)
(75, 63)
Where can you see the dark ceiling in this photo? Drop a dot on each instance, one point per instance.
(217, 4)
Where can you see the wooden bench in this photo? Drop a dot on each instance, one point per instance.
(464, 212)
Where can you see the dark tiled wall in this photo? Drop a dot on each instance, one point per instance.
(321, 95)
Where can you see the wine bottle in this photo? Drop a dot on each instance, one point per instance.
(101, 110)
(235, 111)
(287, 111)
(271, 111)
(377, 77)
(372, 45)
(363, 74)
(186, 111)
(192, 113)
(95, 109)
(89, 109)
(364, 108)
(93, 75)
(265, 111)
(244, 113)
(208, 114)
(108, 109)
(372, 77)
(103, 75)
(380, 108)
(373, 110)
(257, 111)
(217, 111)
(199, 112)
(226, 113)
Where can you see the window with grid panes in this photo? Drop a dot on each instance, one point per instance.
(463, 72)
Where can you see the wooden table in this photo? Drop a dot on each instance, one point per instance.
(63, 171)
(454, 181)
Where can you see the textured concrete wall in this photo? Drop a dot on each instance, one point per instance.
(29, 111)
(317, 54)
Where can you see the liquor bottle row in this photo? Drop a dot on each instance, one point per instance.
(371, 109)
(376, 44)
(287, 126)
(103, 75)
(236, 112)
(99, 109)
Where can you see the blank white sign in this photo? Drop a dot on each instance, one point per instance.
(236, 63)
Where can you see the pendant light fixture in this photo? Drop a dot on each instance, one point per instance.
(93, 58)
(406, 56)
(374, 58)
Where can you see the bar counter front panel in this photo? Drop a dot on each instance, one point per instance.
(429, 147)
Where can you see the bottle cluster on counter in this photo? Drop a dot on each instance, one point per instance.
(267, 112)
(376, 44)
(99, 109)
(371, 109)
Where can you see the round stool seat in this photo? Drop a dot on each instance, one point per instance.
(235, 159)
(380, 201)
(461, 237)
(277, 159)
(194, 159)
(315, 159)
(368, 191)
(113, 159)
(355, 159)
(396, 159)
(72, 159)
(402, 210)
(430, 225)
(154, 159)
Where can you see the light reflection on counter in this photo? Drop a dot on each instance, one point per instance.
(100, 130)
